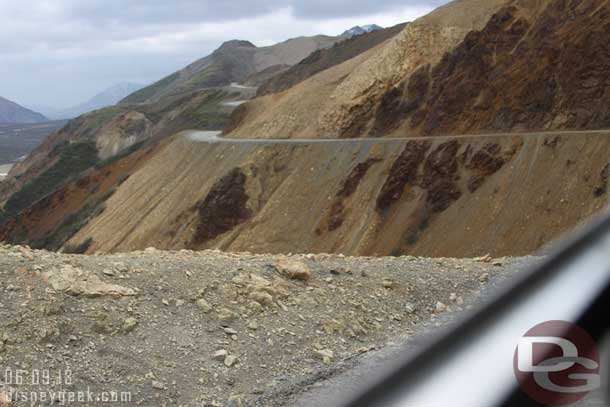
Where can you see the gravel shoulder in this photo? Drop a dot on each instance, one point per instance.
(216, 329)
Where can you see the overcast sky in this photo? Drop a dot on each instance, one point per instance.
(59, 53)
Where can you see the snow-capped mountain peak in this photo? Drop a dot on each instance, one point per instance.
(359, 30)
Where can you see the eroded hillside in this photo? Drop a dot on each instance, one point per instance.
(326, 58)
(326, 104)
(504, 195)
(532, 65)
(467, 67)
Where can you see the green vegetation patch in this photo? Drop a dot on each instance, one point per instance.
(71, 225)
(73, 160)
(206, 115)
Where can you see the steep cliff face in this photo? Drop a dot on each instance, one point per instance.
(521, 72)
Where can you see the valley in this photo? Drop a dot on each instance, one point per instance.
(18, 140)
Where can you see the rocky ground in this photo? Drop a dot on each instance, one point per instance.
(211, 328)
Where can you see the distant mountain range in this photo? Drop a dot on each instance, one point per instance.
(233, 62)
(108, 97)
(359, 30)
(11, 112)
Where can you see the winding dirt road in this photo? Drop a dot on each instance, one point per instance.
(212, 137)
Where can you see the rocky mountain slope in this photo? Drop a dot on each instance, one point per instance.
(209, 328)
(440, 77)
(99, 138)
(504, 194)
(11, 112)
(88, 143)
(234, 61)
(324, 59)
(559, 91)
(324, 105)
(462, 197)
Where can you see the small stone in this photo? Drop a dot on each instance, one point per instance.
(253, 326)
(230, 331)
(130, 324)
(255, 307)
(410, 308)
(109, 273)
(484, 278)
(230, 360)
(158, 385)
(441, 307)
(220, 355)
(325, 354)
(226, 316)
(261, 297)
(204, 306)
(179, 303)
(484, 259)
(165, 302)
(453, 297)
(387, 283)
(294, 269)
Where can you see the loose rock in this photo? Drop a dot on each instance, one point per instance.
(294, 269)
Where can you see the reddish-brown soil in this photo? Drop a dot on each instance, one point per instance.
(404, 171)
(484, 163)
(521, 72)
(439, 172)
(348, 188)
(223, 208)
(45, 216)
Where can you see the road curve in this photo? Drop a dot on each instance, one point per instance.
(212, 137)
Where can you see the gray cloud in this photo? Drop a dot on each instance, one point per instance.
(160, 11)
(60, 52)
